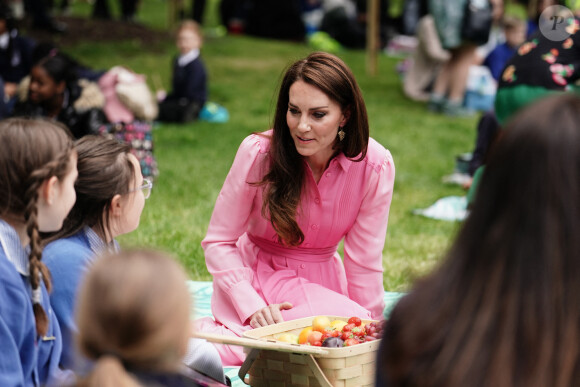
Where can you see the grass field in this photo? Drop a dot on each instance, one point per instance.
(244, 73)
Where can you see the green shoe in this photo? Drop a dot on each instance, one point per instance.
(436, 104)
(456, 109)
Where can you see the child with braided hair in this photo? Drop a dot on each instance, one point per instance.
(37, 175)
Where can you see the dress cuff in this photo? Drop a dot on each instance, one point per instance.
(245, 300)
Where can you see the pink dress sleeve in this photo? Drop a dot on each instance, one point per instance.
(364, 242)
(229, 221)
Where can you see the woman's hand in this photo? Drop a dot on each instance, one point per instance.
(269, 315)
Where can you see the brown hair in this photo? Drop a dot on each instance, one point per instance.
(133, 313)
(504, 308)
(285, 177)
(105, 170)
(33, 151)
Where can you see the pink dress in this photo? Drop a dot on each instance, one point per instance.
(252, 270)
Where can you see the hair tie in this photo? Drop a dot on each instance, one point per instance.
(36, 295)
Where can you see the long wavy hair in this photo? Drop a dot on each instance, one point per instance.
(503, 310)
(105, 170)
(284, 180)
(33, 151)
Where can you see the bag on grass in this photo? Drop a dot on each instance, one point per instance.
(139, 136)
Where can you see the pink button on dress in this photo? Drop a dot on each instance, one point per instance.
(252, 270)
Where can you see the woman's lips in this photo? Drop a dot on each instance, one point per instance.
(305, 140)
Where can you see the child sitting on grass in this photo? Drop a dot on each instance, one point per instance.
(189, 80)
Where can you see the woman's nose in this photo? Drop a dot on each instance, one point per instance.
(304, 126)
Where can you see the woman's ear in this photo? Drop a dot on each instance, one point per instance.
(345, 117)
(116, 205)
(48, 191)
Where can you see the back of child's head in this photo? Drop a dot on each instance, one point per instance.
(33, 150)
(510, 281)
(133, 314)
(105, 170)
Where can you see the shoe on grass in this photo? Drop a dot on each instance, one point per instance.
(456, 109)
(436, 103)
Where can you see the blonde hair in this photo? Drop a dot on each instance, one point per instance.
(133, 312)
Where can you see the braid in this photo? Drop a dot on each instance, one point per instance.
(37, 269)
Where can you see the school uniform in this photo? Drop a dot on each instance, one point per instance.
(25, 359)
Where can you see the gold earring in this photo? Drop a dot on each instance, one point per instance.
(341, 133)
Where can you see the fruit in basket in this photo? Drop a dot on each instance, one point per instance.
(303, 336)
(315, 338)
(288, 338)
(350, 342)
(355, 320)
(333, 342)
(321, 323)
(337, 324)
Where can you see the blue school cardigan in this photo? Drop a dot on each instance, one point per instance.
(68, 260)
(25, 358)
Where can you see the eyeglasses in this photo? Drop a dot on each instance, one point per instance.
(146, 188)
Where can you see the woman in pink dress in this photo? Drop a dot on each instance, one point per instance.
(292, 195)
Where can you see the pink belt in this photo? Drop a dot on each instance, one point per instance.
(321, 254)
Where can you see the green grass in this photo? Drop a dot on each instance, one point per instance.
(244, 72)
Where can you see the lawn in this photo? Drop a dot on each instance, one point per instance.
(244, 73)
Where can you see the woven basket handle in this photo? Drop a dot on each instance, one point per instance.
(324, 382)
(253, 355)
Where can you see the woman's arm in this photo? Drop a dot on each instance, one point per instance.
(229, 221)
(364, 242)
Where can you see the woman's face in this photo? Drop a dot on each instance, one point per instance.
(51, 213)
(42, 86)
(133, 202)
(313, 119)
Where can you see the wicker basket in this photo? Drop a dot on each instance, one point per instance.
(298, 365)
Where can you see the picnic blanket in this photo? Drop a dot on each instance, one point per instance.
(201, 292)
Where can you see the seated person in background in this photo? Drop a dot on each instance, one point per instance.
(515, 35)
(54, 90)
(189, 80)
(111, 194)
(503, 308)
(425, 61)
(44, 49)
(134, 322)
(15, 60)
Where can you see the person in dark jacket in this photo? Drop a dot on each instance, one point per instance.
(189, 84)
(53, 90)
(15, 60)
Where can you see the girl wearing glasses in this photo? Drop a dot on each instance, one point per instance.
(111, 194)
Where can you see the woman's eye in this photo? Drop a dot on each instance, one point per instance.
(293, 110)
(319, 115)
